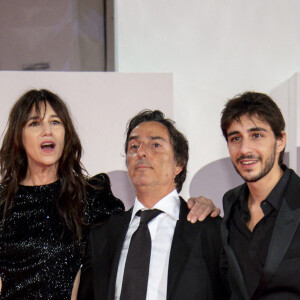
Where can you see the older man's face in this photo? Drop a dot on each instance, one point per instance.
(150, 158)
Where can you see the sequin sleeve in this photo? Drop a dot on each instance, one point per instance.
(101, 202)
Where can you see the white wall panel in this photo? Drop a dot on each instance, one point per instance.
(215, 50)
(101, 105)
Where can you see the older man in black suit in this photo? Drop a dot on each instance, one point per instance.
(162, 256)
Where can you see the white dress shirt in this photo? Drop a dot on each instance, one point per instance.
(161, 230)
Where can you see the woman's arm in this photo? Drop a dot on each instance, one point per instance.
(75, 286)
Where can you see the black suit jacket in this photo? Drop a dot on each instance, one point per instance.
(281, 273)
(194, 265)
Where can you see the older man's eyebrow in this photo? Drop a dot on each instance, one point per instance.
(157, 138)
(136, 137)
(133, 137)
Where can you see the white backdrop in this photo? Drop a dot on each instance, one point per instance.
(101, 105)
(215, 50)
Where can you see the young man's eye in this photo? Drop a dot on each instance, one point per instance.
(257, 135)
(234, 139)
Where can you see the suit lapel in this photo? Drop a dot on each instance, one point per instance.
(235, 275)
(184, 236)
(118, 232)
(287, 222)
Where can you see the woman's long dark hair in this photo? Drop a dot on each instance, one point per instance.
(13, 160)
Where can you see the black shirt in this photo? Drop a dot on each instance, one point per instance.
(249, 247)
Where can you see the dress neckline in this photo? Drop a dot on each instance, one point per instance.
(39, 187)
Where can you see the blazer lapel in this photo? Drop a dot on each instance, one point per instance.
(118, 232)
(286, 224)
(182, 240)
(235, 275)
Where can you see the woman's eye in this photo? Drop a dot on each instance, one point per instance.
(55, 122)
(156, 145)
(34, 123)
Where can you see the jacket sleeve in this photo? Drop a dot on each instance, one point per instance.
(86, 288)
(101, 203)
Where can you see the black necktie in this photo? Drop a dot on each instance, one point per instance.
(135, 278)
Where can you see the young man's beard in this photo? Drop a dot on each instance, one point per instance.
(264, 171)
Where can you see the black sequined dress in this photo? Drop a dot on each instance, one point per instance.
(35, 262)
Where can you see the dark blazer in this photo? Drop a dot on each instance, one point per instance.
(281, 273)
(194, 267)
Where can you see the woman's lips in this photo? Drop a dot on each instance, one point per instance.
(48, 146)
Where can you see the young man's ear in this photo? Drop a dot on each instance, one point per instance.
(281, 142)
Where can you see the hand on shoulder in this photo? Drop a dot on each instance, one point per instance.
(201, 207)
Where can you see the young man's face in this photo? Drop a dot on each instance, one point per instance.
(253, 148)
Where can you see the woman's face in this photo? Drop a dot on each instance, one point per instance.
(43, 138)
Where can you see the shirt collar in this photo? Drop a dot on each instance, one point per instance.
(278, 191)
(170, 204)
(276, 195)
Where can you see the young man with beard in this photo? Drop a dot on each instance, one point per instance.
(261, 225)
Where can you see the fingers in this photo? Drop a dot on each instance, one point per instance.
(201, 207)
(216, 212)
(191, 202)
(198, 209)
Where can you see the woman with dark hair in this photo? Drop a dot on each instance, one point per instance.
(46, 201)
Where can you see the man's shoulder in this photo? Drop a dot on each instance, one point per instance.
(231, 196)
(294, 177)
(293, 191)
(235, 191)
(111, 222)
(198, 234)
(207, 222)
